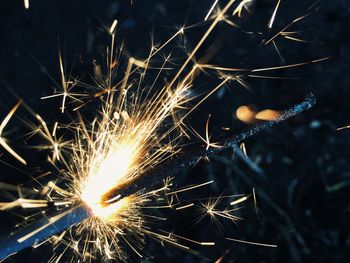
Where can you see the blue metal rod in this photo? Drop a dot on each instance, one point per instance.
(16, 242)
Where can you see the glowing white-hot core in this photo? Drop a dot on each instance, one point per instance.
(106, 173)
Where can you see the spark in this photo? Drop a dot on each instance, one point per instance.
(26, 4)
(255, 203)
(221, 258)
(185, 206)
(24, 203)
(210, 208)
(252, 243)
(343, 128)
(190, 188)
(113, 27)
(240, 200)
(242, 5)
(292, 65)
(211, 10)
(272, 20)
(206, 140)
(284, 32)
(243, 149)
(3, 142)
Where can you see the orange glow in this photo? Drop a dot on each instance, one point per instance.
(246, 114)
(267, 115)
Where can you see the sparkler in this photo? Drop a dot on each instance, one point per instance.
(120, 164)
(44, 229)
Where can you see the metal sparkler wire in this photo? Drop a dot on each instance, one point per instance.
(39, 231)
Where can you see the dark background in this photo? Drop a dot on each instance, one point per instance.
(303, 198)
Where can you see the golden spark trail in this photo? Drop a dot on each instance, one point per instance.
(3, 142)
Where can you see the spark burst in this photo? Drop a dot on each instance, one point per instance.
(139, 127)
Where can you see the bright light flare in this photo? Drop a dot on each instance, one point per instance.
(111, 212)
(105, 174)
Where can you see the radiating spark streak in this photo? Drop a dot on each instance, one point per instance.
(11, 151)
(113, 27)
(278, 51)
(41, 243)
(174, 243)
(26, 4)
(206, 140)
(132, 247)
(268, 68)
(54, 129)
(157, 207)
(255, 203)
(3, 143)
(269, 77)
(55, 144)
(207, 137)
(240, 7)
(274, 14)
(63, 203)
(57, 239)
(221, 258)
(9, 116)
(194, 241)
(63, 82)
(240, 200)
(286, 27)
(180, 31)
(156, 217)
(8, 256)
(70, 94)
(296, 39)
(184, 207)
(59, 190)
(125, 81)
(291, 65)
(251, 243)
(211, 10)
(190, 188)
(204, 37)
(243, 149)
(208, 66)
(343, 128)
(226, 79)
(24, 203)
(210, 209)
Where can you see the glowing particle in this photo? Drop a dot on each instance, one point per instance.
(26, 4)
(268, 115)
(113, 27)
(246, 114)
